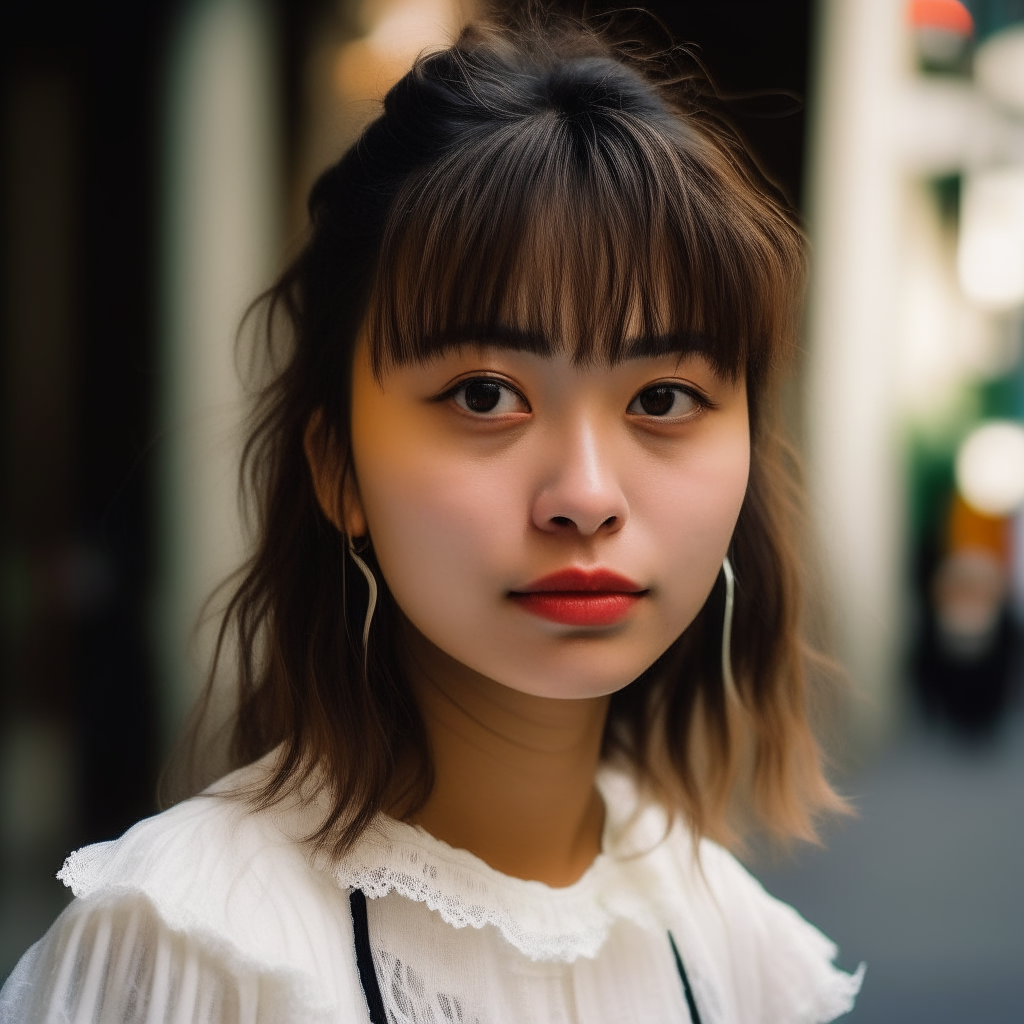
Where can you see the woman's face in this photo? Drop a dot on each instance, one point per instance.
(551, 526)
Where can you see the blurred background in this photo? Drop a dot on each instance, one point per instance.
(154, 162)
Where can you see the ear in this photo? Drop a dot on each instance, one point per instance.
(338, 498)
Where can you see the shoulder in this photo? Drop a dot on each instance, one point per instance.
(750, 957)
(772, 963)
(235, 885)
(212, 863)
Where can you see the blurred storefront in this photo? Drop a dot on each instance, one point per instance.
(915, 345)
(915, 443)
(78, 693)
(962, 375)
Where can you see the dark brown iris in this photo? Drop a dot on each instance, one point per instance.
(657, 401)
(482, 395)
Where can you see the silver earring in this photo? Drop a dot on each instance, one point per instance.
(730, 600)
(371, 582)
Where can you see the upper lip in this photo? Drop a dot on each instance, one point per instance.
(573, 580)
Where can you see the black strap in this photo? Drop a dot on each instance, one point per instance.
(691, 1003)
(364, 958)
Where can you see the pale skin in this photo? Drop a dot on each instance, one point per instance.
(486, 468)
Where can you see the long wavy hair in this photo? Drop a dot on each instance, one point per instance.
(556, 183)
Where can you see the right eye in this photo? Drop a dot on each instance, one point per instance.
(485, 396)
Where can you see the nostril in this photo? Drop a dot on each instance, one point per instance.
(562, 521)
(610, 521)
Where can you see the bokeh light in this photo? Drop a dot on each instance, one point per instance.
(990, 468)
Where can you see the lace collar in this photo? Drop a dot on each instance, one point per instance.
(627, 880)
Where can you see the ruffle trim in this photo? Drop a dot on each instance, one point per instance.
(81, 867)
(843, 992)
(541, 922)
(225, 878)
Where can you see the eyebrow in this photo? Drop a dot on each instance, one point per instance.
(650, 346)
(512, 339)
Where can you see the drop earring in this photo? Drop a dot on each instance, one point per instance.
(730, 600)
(371, 582)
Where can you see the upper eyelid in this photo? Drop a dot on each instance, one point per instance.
(698, 394)
(494, 378)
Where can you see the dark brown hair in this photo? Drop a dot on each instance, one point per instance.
(573, 191)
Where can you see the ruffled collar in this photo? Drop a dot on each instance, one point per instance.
(542, 922)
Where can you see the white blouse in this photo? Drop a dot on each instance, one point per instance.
(211, 913)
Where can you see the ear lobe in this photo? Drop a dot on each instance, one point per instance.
(338, 498)
(352, 515)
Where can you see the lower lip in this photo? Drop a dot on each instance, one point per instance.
(578, 608)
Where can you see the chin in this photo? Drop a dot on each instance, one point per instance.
(576, 675)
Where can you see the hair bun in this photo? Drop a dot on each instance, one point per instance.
(596, 85)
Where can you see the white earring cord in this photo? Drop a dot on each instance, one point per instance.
(371, 582)
(730, 599)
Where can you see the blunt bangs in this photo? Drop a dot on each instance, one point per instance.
(596, 230)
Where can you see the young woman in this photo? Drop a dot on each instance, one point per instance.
(520, 633)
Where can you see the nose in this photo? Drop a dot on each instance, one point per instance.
(583, 494)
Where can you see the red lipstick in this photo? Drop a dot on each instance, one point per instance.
(580, 597)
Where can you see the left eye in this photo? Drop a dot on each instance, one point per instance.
(483, 396)
(665, 401)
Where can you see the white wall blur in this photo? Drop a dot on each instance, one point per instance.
(221, 236)
(853, 217)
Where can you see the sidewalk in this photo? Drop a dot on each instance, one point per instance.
(927, 886)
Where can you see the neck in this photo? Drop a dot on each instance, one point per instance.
(514, 772)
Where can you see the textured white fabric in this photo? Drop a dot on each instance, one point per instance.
(210, 912)
(474, 976)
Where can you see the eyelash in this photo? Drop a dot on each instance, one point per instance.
(702, 401)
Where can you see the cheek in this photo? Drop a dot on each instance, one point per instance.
(688, 519)
(431, 512)
(440, 523)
